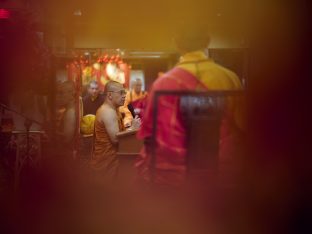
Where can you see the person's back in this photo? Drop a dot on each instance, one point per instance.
(194, 72)
(217, 77)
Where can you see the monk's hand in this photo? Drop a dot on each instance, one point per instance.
(136, 123)
(127, 125)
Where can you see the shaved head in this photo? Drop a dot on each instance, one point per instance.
(112, 86)
(137, 85)
(115, 94)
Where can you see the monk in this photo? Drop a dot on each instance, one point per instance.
(107, 124)
(194, 72)
(135, 95)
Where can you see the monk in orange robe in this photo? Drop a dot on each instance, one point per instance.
(107, 124)
(136, 95)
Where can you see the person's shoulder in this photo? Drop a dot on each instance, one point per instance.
(107, 110)
(225, 70)
(229, 74)
(104, 112)
(164, 81)
(101, 110)
(234, 78)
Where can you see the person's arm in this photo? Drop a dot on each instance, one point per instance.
(110, 120)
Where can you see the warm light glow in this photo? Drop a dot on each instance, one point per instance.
(111, 70)
(121, 78)
(114, 73)
(96, 66)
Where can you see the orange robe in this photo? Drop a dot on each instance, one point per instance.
(104, 156)
(131, 97)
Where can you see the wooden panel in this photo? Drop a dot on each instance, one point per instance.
(128, 143)
(128, 150)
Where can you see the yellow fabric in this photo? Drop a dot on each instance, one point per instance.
(210, 73)
(124, 109)
(87, 124)
(215, 77)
